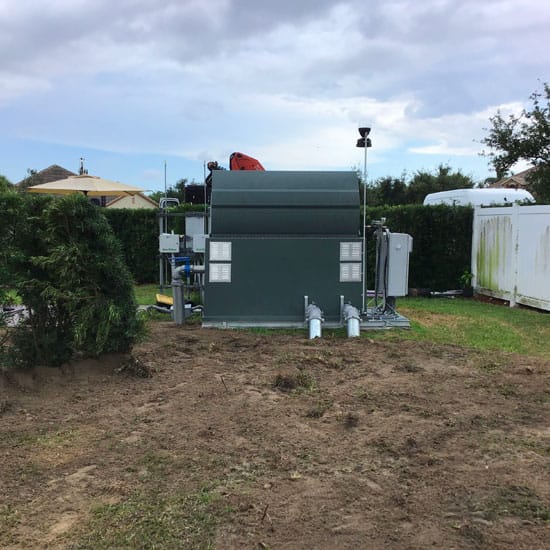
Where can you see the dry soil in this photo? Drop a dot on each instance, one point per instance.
(331, 443)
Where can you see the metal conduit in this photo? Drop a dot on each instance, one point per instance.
(314, 318)
(352, 318)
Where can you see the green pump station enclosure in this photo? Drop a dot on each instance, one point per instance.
(276, 237)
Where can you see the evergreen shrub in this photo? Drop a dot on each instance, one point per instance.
(67, 267)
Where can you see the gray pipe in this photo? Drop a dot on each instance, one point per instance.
(177, 290)
(177, 272)
(314, 318)
(158, 308)
(352, 318)
(178, 313)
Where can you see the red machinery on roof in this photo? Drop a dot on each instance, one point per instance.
(237, 161)
(240, 161)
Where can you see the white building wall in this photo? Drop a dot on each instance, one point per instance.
(511, 254)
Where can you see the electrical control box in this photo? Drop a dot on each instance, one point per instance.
(198, 243)
(194, 224)
(400, 246)
(169, 243)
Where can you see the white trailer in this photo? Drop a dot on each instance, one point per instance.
(479, 197)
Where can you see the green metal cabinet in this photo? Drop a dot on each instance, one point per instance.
(276, 237)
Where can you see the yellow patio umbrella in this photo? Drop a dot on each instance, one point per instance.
(92, 186)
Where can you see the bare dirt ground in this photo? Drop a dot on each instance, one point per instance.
(285, 442)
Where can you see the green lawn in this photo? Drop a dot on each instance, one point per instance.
(458, 321)
(146, 294)
(475, 324)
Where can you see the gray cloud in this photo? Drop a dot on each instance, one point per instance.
(384, 47)
(158, 76)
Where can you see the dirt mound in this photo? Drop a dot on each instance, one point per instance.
(253, 440)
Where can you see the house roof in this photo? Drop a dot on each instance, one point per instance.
(518, 180)
(51, 173)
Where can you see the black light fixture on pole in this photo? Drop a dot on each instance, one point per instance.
(364, 142)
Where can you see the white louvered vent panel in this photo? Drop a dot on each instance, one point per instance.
(220, 273)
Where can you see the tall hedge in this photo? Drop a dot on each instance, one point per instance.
(441, 250)
(138, 232)
(442, 242)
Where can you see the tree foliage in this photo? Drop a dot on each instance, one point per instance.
(524, 137)
(5, 183)
(62, 259)
(176, 191)
(390, 191)
(31, 179)
(444, 179)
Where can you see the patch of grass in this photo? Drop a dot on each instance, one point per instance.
(12, 438)
(155, 464)
(57, 438)
(473, 324)
(499, 444)
(520, 502)
(489, 363)
(42, 438)
(9, 518)
(319, 409)
(156, 520)
(300, 380)
(244, 472)
(8, 515)
(146, 294)
(12, 298)
(306, 381)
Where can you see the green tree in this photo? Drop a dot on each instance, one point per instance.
(524, 137)
(390, 191)
(5, 183)
(176, 191)
(371, 193)
(31, 179)
(444, 179)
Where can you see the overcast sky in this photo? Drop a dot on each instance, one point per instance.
(129, 84)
